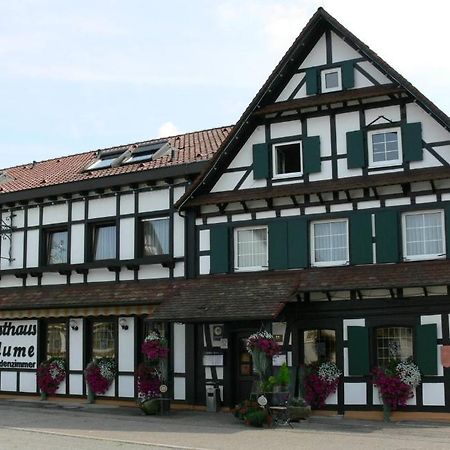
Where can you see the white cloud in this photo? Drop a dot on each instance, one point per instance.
(280, 22)
(167, 129)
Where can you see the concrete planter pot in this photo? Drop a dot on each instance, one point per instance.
(297, 413)
(90, 396)
(151, 407)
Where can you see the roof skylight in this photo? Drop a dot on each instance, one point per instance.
(133, 154)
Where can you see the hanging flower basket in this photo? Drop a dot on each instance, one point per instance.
(155, 347)
(396, 384)
(262, 346)
(321, 381)
(99, 375)
(50, 375)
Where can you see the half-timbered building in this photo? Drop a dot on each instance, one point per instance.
(322, 216)
(91, 243)
(327, 209)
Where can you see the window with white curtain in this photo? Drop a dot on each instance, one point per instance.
(57, 243)
(423, 235)
(329, 243)
(250, 248)
(104, 242)
(155, 234)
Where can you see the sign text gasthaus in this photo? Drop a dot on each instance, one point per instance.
(18, 344)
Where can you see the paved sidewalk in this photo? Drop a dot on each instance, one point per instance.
(55, 424)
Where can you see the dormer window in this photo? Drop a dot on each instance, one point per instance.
(331, 80)
(385, 147)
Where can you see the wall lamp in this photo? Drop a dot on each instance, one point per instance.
(123, 323)
(73, 324)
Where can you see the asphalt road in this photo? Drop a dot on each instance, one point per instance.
(46, 428)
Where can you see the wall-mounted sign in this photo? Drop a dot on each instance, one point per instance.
(212, 359)
(18, 344)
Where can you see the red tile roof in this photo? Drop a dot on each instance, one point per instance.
(189, 148)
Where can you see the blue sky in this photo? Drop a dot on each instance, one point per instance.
(76, 76)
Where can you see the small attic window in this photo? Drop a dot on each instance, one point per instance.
(103, 161)
(331, 79)
(147, 152)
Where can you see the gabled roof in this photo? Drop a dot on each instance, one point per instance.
(187, 148)
(309, 36)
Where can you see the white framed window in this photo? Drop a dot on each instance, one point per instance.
(103, 241)
(329, 243)
(423, 235)
(251, 248)
(331, 79)
(155, 236)
(287, 159)
(393, 343)
(385, 147)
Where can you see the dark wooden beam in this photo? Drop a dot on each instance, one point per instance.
(332, 97)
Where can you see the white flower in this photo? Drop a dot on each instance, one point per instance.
(107, 368)
(328, 371)
(409, 373)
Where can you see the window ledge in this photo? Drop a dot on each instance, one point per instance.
(251, 269)
(423, 258)
(331, 264)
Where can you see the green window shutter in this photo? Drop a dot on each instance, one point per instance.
(220, 249)
(311, 154)
(260, 161)
(387, 236)
(312, 81)
(278, 244)
(348, 74)
(356, 150)
(447, 228)
(361, 249)
(412, 141)
(358, 351)
(426, 340)
(297, 242)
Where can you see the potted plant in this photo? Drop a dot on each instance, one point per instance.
(148, 385)
(252, 414)
(99, 375)
(396, 384)
(50, 375)
(280, 394)
(151, 374)
(298, 409)
(320, 381)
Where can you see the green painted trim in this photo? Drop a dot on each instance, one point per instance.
(356, 150)
(260, 161)
(426, 346)
(358, 351)
(311, 154)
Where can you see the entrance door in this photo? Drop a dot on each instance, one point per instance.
(244, 368)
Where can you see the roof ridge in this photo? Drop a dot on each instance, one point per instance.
(5, 169)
